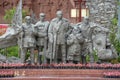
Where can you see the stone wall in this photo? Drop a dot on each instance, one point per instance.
(47, 6)
(102, 11)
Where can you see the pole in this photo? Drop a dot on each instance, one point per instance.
(54, 48)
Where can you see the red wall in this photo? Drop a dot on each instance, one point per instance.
(47, 6)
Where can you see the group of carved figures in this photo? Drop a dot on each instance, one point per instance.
(59, 41)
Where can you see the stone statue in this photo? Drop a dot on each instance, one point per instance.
(87, 28)
(102, 44)
(108, 52)
(58, 30)
(42, 30)
(74, 41)
(28, 40)
(99, 39)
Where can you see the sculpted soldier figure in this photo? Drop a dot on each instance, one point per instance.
(74, 41)
(28, 40)
(42, 28)
(87, 28)
(58, 30)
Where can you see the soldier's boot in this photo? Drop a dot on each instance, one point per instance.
(63, 48)
(39, 59)
(44, 57)
(91, 58)
(75, 62)
(63, 59)
(45, 60)
(32, 58)
(55, 60)
(70, 61)
(84, 60)
(22, 56)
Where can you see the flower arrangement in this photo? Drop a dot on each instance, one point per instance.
(6, 73)
(60, 66)
(112, 74)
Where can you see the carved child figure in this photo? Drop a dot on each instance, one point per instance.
(28, 40)
(74, 45)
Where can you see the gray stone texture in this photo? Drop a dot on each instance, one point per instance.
(102, 11)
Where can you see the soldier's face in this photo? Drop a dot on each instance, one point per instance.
(59, 15)
(42, 18)
(86, 21)
(28, 20)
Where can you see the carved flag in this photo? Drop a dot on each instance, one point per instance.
(17, 18)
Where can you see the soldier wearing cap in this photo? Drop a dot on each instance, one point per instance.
(41, 28)
(87, 28)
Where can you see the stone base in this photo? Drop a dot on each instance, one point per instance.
(59, 74)
(58, 78)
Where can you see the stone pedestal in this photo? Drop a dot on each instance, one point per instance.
(59, 74)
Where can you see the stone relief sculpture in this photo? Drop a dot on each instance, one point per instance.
(59, 41)
(41, 28)
(102, 44)
(66, 43)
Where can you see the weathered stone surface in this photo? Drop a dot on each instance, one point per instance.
(13, 60)
(8, 39)
(2, 58)
(106, 54)
(102, 11)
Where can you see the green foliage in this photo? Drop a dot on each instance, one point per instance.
(118, 3)
(113, 35)
(94, 55)
(11, 51)
(10, 13)
(114, 40)
(114, 21)
(2, 51)
(24, 13)
(88, 58)
(115, 61)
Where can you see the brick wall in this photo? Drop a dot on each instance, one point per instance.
(47, 6)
